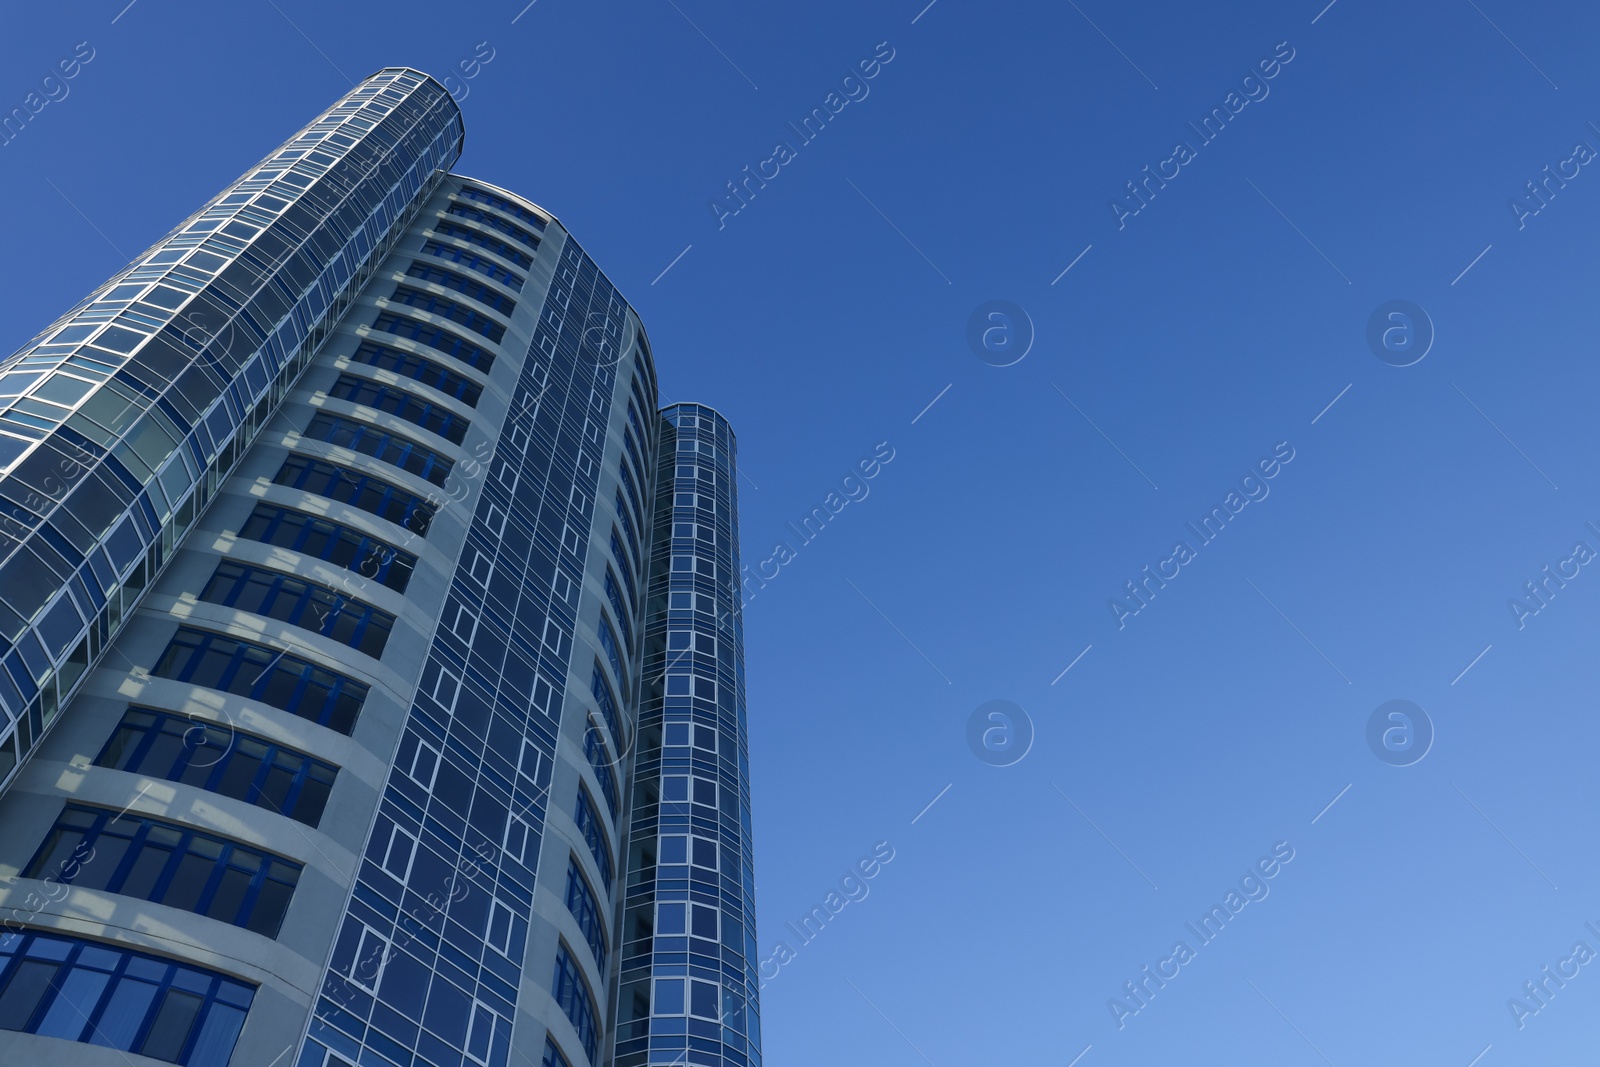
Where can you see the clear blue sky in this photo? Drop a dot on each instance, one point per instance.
(1219, 321)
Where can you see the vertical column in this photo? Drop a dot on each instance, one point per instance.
(689, 983)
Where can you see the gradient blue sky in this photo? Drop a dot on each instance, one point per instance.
(1220, 321)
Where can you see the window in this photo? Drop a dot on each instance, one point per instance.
(608, 642)
(384, 445)
(553, 1056)
(418, 759)
(371, 953)
(507, 931)
(169, 864)
(519, 835)
(419, 369)
(627, 571)
(437, 337)
(627, 526)
(473, 261)
(682, 789)
(445, 308)
(589, 825)
(601, 690)
(704, 921)
(465, 286)
(703, 999)
(80, 990)
(571, 992)
(581, 902)
(633, 418)
(396, 401)
(531, 763)
(399, 852)
(600, 760)
(484, 197)
(614, 595)
(338, 544)
(484, 241)
(633, 450)
(260, 673)
(633, 492)
(299, 603)
(699, 851)
(221, 760)
(363, 491)
(480, 1032)
(505, 226)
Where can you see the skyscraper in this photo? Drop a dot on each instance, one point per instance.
(372, 676)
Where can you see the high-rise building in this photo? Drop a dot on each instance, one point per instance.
(370, 644)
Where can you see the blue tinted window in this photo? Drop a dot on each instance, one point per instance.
(588, 821)
(463, 285)
(572, 993)
(472, 261)
(627, 570)
(585, 909)
(423, 370)
(505, 226)
(474, 236)
(600, 760)
(446, 308)
(627, 526)
(614, 595)
(167, 863)
(608, 703)
(358, 490)
(633, 491)
(300, 603)
(389, 447)
(553, 1056)
(87, 991)
(331, 541)
(396, 401)
(261, 673)
(435, 336)
(484, 197)
(220, 759)
(608, 642)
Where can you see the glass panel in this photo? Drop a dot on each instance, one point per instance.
(230, 895)
(100, 868)
(75, 999)
(313, 798)
(27, 987)
(214, 1046)
(170, 1029)
(190, 881)
(271, 903)
(242, 769)
(275, 790)
(124, 1012)
(147, 868)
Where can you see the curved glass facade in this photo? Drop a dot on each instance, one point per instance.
(688, 970)
(369, 643)
(119, 421)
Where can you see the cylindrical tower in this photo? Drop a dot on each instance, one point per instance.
(689, 966)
